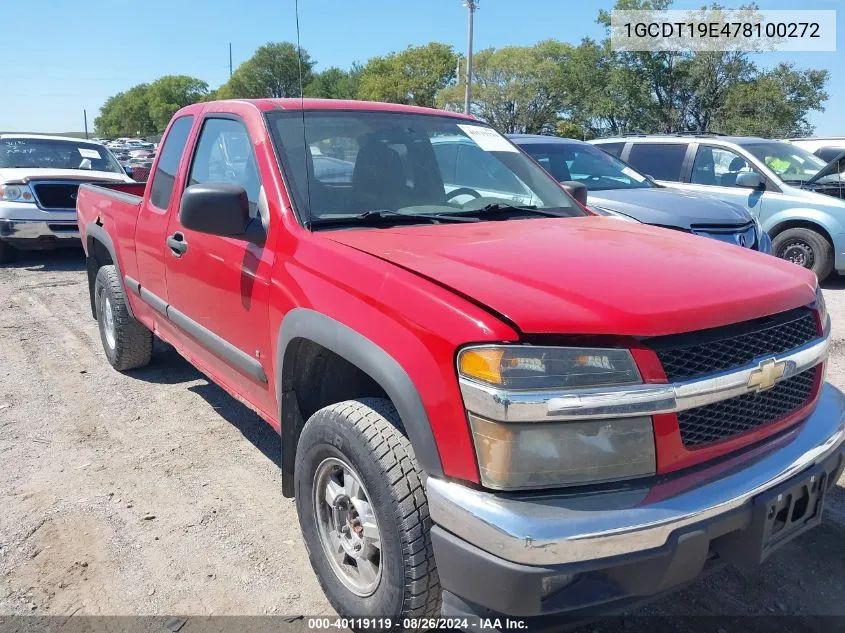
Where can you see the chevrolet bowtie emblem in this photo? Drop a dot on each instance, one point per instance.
(766, 375)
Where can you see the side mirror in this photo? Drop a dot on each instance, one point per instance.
(576, 189)
(220, 209)
(750, 179)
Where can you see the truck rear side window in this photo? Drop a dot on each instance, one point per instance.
(168, 162)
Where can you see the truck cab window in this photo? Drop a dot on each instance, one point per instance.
(168, 162)
(224, 154)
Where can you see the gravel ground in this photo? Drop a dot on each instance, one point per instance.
(156, 493)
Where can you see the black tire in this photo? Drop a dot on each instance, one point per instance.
(806, 248)
(131, 344)
(366, 434)
(8, 253)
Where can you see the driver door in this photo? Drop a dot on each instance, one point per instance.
(219, 286)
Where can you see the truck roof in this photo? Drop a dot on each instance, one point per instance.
(344, 104)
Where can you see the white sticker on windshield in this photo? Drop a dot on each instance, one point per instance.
(632, 174)
(487, 138)
(89, 153)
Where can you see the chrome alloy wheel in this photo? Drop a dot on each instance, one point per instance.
(347, 525)
(108, 319)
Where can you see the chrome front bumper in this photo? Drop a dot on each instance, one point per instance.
(558, 528)
(38, 230)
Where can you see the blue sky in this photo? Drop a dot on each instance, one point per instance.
(72, 54)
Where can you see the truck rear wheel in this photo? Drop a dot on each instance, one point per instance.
(8, 253)
(806, 248)
(127, 343)
(363, 513)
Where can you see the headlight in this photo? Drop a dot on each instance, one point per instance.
(820, 306)
(16, 193)
(764, 242)
(523, 367)
(542, 454)
(547, 455)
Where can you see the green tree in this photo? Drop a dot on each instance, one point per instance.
(335, 83)
(602, 94)
(698, 90)
(662, 74)
(413, 76)
(711, 75)
(126, 114)
(273, 71)
(168, 94)
(775, 104)
(516, 89)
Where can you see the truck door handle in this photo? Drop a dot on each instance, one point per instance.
(177, 244)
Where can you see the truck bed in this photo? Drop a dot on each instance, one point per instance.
(128, 191)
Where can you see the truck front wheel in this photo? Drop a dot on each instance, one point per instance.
(363, 513)
(127, 343)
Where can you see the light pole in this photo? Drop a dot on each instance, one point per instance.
(472, 6)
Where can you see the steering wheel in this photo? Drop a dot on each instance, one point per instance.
(462, 191)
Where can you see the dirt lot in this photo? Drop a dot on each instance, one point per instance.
(156, 493)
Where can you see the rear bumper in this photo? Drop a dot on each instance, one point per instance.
(542, 554)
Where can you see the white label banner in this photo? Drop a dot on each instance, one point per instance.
(487, 138)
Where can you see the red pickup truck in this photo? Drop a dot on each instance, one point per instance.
(490, 400)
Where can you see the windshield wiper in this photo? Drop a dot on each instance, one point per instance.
(383, 217)
(500, 207)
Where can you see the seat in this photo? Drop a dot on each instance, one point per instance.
(729, 178)
(559, 169)
(378, 180)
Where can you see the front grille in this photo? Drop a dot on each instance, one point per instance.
(706, 352)
(727, 418)
(745, 236)
(58, 195)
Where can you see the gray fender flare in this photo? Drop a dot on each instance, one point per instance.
(97, 233)
(375, 362)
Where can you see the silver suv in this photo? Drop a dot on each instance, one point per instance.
(796, 195)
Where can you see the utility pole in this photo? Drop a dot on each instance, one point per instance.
(230, 60)
(85, 117)
(472, 6)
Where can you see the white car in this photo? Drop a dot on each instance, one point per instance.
(827, 148)
(39, 178)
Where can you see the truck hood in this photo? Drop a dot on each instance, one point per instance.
(21, 174)
(670, 207)
(591, 275)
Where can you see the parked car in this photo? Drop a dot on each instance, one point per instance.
(39, 178)
(826, 148)
(618, 189)
(484, 407)
(796, 196)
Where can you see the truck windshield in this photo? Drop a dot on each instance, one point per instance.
(583, 163)
(361, 162)
(56, 154)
